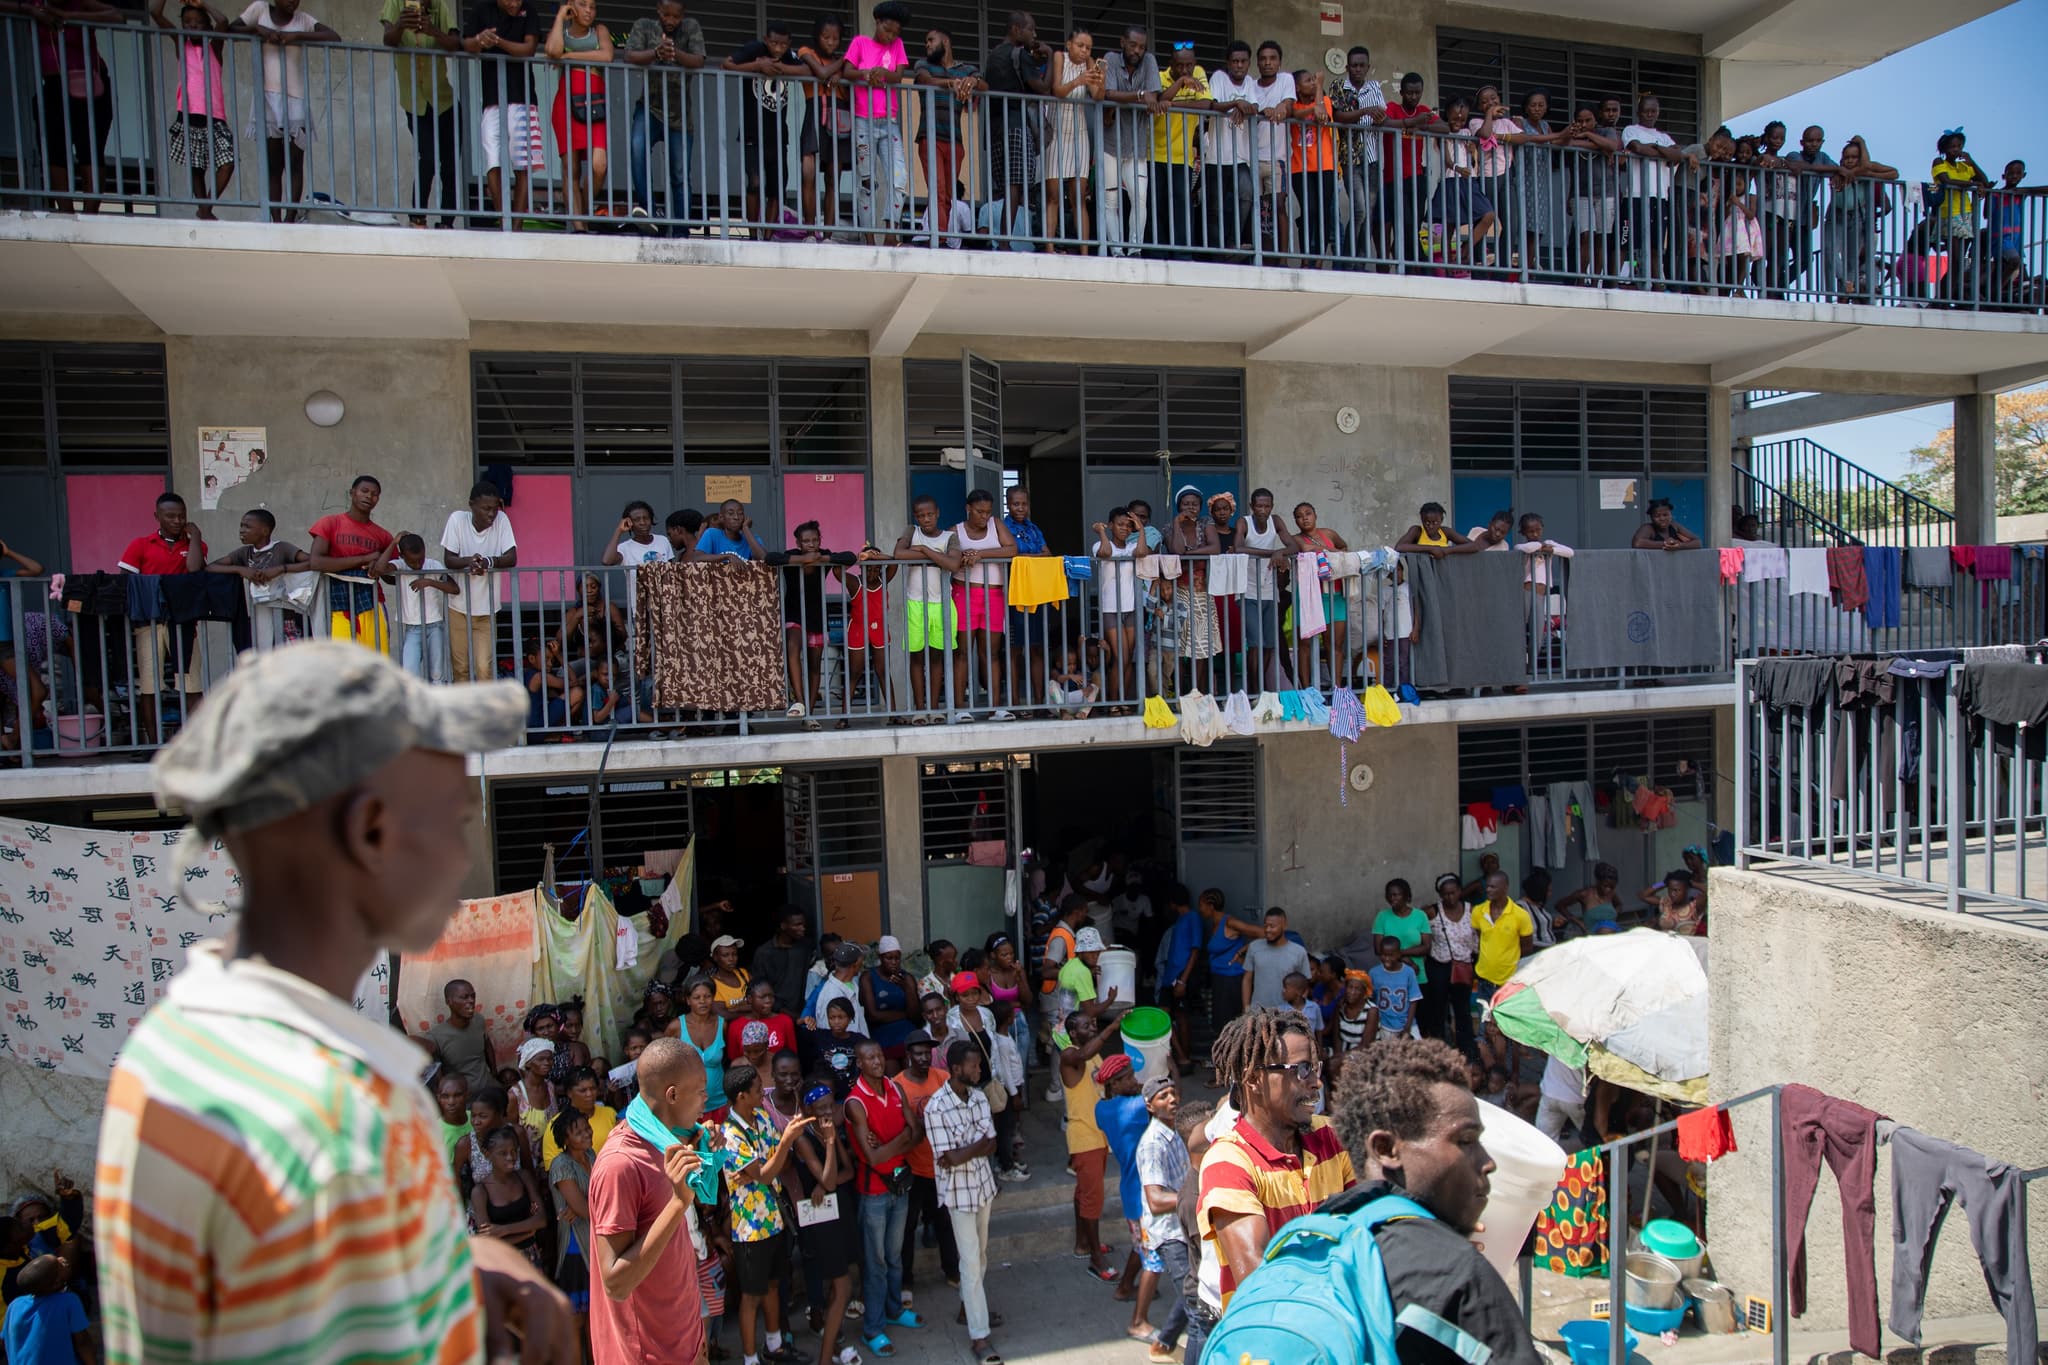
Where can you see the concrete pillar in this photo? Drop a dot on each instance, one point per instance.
(1721, 492)
(888, 451)
(902, 848)
(1976, 485)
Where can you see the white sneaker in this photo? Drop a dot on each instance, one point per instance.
(796, 711)
(1014, 1176)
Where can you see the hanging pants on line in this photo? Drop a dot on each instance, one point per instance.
(1815, 1128)
(1927, 1176)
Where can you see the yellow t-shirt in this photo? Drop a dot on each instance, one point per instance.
(722, 994)
(602, 1119)
(1956, 204)
(1082, 1134)
(1439, 538)
(1173, 137)
(1500, 940)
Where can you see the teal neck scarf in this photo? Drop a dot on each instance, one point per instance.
(648, 1127)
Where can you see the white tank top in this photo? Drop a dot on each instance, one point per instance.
(1262, 585)
(927, 582)
(990, 575)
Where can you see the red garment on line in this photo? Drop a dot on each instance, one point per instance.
(1705, 1134)
(1846, 576)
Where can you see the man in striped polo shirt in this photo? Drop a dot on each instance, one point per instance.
(1280, 1159)
(272, 1184)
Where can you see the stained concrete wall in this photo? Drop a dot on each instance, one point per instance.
(1328, 859)
(1366, 486)
(406, 420)
(1932, 1019)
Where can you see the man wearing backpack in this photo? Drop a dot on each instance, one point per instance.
(1387, 1272)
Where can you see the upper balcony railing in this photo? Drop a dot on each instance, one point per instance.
(416, 135)
(104, 672)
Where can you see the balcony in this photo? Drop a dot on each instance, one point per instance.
(1411, 271)
(105, 688)
(1926, 792)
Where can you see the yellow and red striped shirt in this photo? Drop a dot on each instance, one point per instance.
(272, 1184)
(1243, 1173)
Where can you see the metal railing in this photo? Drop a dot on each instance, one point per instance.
(1958, 610)
(1819, 488)
(414, 134)
(1910, 792)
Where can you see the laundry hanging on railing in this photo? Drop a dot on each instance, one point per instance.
(1882, 574)
(1475, 620)
(1928, 1175)
(1806, 573)
(1633, 610)
(1036, 581)
(1813, 1127)
(710, 635)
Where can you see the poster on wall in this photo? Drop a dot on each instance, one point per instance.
(227, 456)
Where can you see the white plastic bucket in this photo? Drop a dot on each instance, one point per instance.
(1119, 968)
(1147, 1043)
(1527, 1167)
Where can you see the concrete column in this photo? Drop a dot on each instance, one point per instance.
(902, 849)
(1976, 485)
(888, 451)
(1720, 474)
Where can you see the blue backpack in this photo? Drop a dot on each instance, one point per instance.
(1319, 1297)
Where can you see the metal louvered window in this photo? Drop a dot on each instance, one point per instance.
(1573, 74)
(962, 801)
(633, 815)
(599, 411)
(1593, 751)
(1506, 426)
(79, 408)
(832, 818)
(1128, 414)
(1219, 795)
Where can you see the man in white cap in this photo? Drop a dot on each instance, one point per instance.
(272, 1183)
(1078, 976)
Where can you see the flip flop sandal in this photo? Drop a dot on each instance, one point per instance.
(1106, 1276)
(881, 1345)
(991, 1358)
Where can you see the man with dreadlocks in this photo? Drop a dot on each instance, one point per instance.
(1279, 1160)
(1411, 1126)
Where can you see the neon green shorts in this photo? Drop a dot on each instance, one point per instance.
(927, 625)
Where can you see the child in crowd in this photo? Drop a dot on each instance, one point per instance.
(1066, 686)
(46, 1324)
(423, 611)
(1355, 1023)
(1294, 990)
(867, 628)
(1395, 991)
(551, 697)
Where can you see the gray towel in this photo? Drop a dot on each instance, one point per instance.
(1644, 609)
(1475, 620)
(1928, 568)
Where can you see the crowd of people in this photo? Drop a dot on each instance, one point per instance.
(1229, 615)
(1183, 158)
(744, 1171)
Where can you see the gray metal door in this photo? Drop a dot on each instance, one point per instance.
(982, 402)
(1216, 822)
(601, 498)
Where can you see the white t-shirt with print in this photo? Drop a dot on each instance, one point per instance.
(1648, 178)
(280, 75)
(461, 540)
(634, 554)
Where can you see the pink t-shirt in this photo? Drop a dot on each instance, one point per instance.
(863, 54)
(202, 92)
(662, 1319)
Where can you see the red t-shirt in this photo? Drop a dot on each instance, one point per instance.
(662, 1319)
(346, 536)
(1414, 157)
(781, 1036)
(149, 554)
(919, 1096)
(887, 1116)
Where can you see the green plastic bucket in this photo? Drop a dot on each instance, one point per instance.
(1148, 1040)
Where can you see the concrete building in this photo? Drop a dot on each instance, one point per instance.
(828, 381)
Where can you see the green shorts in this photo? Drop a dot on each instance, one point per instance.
(927, 625)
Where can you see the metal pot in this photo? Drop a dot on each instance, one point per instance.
(1715, 1304)
(1653, 1282)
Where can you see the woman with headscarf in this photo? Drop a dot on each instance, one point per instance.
(533, 1099)
(887, 996)
(1192, 536)
(657, 1008)
(543, 1021)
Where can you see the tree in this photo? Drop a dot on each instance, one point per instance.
(2021, 462)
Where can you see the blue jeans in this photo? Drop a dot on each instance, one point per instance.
(647, 131)
(882, 1217)
(423, 650)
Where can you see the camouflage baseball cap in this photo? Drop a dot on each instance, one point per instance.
(290, 727)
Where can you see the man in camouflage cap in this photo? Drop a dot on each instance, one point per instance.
(272, 1183)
